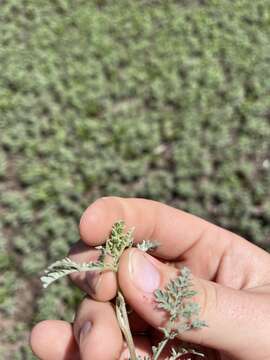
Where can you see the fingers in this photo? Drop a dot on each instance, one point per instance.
(176, 231)
(95, 323)
(101, 286)
(181, 236)
(152, 220)
(54, 340)
(238, 321)
(211, 252)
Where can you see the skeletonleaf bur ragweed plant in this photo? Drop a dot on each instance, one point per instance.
(174, 298)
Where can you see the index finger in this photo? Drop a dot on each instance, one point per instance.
(181, 236)
(176, 231)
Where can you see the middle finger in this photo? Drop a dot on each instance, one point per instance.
(95, 323)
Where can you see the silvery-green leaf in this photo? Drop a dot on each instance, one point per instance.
(147, 245)
(65, 267)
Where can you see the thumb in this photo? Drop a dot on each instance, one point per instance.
(235, 318)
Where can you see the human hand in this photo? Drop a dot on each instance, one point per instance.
(231, 275)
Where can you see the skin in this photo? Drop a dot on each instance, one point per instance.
(231, 275)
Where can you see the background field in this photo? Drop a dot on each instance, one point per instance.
(167, 100)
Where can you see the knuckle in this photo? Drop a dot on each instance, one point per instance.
(209, 298)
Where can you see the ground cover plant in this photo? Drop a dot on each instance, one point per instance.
(164, 100)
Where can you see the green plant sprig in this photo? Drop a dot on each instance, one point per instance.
(183, 314)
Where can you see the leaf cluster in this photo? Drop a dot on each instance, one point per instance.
(173, 299)
(118, 241)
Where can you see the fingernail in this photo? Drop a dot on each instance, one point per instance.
(144, 274)
(85, 329)
(93, 279)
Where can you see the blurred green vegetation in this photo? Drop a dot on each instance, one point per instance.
(167, 100)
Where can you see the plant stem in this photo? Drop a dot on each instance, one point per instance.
(162, 345)
(122, 317)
